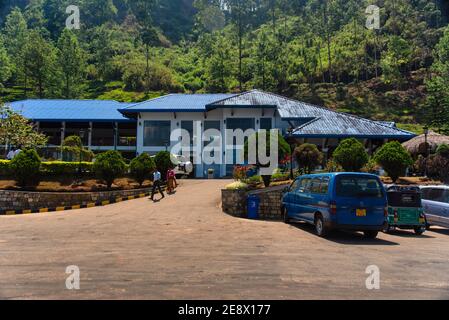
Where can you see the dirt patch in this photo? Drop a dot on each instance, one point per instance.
(67, 184)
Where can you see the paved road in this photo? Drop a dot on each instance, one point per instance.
(185, 248)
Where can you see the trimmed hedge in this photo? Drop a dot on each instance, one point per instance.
(57, 168)
(4, 168)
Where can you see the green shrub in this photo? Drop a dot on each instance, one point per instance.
(163, 162)
(108, 166)
(280, 177)
(308, 157)
(443, 150)
(141, 167)
(72, 149)
(351, 155)
(25, 168)
(238, 185)
(4, 168)
(254, 180)
(394, 159)
(333, 166)
(61, 168)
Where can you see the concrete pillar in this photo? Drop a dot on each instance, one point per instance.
(115, 135)
(62, 132)
(89, 136)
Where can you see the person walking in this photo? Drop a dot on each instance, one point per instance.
(171, 181)
(157, 184)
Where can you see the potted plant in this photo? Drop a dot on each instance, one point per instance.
(210, 173)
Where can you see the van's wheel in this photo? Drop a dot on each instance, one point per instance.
(285, 215)
(370, 234)
(320, 227)
(420, 230)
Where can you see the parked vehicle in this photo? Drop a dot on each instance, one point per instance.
(435, 201)
(405, 209)
(349, 201)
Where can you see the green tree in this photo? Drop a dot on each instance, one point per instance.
(18, 131)
(141, 168)
(163, 163)
(5, 64)
(40, 64)
(71, 59)
(308, 157)
(395, 61)
(351, 155)
(108, 166)
(219, 66)
(394, 159)
(25, 168)
(15, 34)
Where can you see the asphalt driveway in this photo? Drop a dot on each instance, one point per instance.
(184, 247)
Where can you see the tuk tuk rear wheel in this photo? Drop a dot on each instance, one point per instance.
(420, 230)
(388, 228)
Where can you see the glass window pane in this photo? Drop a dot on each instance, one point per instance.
(265, 124)
(156, 133)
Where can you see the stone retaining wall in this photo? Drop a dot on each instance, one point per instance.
(23, 200)
(234, 202)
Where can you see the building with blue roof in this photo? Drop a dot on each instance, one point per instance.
(98, 122)
(149, 126)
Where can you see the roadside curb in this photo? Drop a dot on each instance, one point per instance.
(74, 207)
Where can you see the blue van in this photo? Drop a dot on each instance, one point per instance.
(350, 201)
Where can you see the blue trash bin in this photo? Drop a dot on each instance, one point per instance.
(253, 207)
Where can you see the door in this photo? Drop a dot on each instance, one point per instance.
(360, 200)
(433, 207)
(303, 199)
(312, 200)
(289, 199)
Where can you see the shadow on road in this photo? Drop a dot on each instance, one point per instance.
(409, 234)
(440, 231)
(346, 237)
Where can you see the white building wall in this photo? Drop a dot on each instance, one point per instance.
(214, 115)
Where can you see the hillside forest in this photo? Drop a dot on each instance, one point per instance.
(317, 51)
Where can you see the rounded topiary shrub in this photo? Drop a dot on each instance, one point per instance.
(394, 159)
(109, 166)
(141, 168)
(351, 155)
(25, 168)
(163, 162)
(308, 157)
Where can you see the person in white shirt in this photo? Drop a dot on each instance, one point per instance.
(10, 155)
(157, 184)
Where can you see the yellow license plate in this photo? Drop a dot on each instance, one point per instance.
(361, 212)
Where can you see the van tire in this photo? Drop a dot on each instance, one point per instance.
(370, 234)
(320, 227)
(285, 217)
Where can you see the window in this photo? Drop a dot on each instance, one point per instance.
(156, 133)
(315, 186)
(358, 186)
(295, 185)
(265, 124)
(325, 185)
(305, 184)
(436, 194)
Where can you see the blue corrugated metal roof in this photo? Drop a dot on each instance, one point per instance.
(176, 103)
(70, 110)
(340, 125)
(325, 123)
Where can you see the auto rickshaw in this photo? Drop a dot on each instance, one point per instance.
(405, 210)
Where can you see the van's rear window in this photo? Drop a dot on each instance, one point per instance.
(354, 186)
